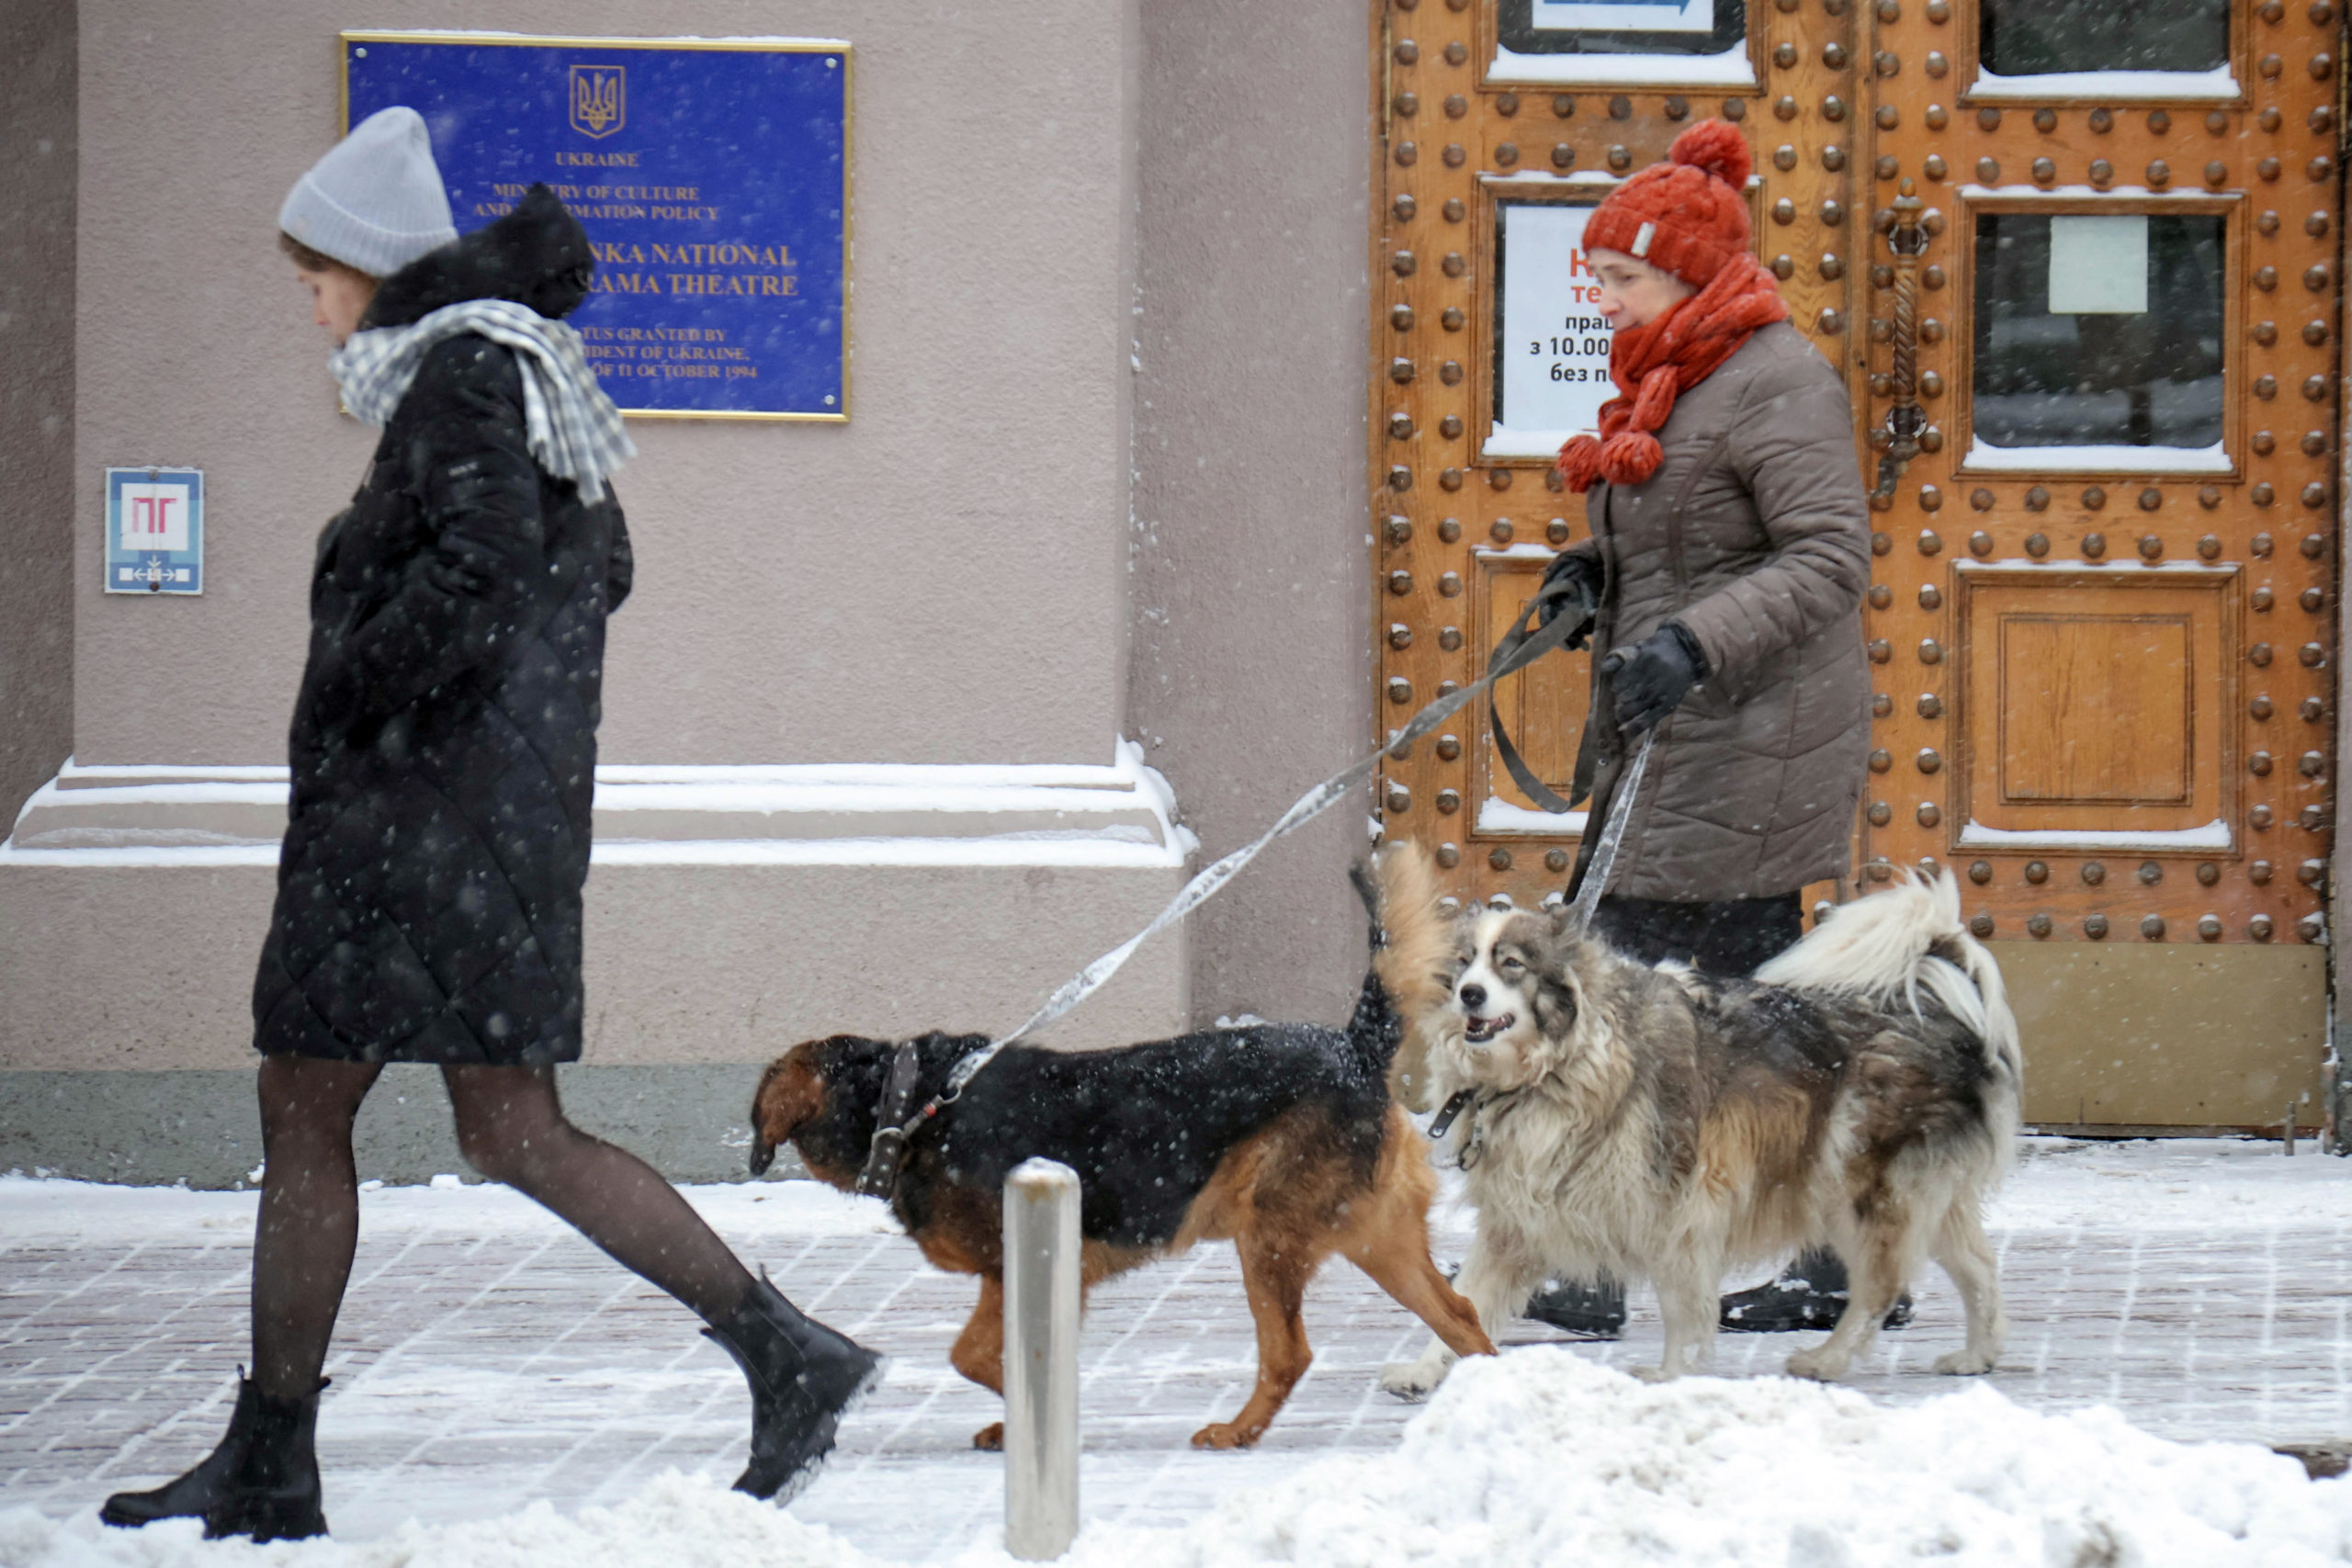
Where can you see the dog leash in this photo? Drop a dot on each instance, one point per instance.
(1595, 879)
(1612, 838)
(1519, 648)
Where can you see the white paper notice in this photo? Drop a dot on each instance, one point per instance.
(1554, 347)
(1624, 15)
(2098, 266)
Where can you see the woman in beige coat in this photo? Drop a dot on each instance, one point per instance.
(1730, 550)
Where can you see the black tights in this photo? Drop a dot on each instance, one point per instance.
(511, 1129)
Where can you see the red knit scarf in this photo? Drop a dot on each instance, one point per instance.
(1654, 363)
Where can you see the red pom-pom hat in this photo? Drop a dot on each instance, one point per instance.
(1687, 216)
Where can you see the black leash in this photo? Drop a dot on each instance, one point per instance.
(1519, 648)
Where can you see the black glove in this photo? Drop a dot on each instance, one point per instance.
(1653, 675)
(1581, 574)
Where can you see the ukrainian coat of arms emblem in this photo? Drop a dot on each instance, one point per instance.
(599, 99)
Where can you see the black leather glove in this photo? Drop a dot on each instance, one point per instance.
(1581, 575)
(1653, 675)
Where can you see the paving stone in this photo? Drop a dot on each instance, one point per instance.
(474, 1373)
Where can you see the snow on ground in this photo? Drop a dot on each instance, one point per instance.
(2202, 1286)
(2172, 1184)
(1542, 1460)
(95, 1214)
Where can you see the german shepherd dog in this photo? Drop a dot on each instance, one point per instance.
(1278, 1137)
(1635, 1122)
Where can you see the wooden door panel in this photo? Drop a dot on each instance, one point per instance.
(2103, 681)
(1542, 706)
(2142, 636)
(2094, 710)
(2091, 710)
(2156, 714)
(1461, 130)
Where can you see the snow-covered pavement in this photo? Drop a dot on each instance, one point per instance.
(489, 1360)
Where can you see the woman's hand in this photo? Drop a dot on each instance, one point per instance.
(1653, 675)
(1577, 578)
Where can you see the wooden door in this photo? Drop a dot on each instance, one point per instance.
(2078, 259)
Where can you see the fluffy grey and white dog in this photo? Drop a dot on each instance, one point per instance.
(1637, 1121)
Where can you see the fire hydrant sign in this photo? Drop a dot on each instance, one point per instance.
(154, 531)
(1551, 346)
(712, 176)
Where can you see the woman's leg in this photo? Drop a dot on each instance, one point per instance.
(262, 1480)
(309, 1224)
(804, 1376)
(511, 1128)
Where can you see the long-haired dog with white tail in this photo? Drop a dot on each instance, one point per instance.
(1616, 1119)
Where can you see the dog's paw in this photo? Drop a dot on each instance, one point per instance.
(1819, 1365)
(1965, 1363)
(991, 1437)
(1225, 1435)
(1411, 1380)
(1654, 1374)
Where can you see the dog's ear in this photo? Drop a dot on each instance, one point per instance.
(789, 1094)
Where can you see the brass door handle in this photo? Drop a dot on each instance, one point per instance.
(1897, 441)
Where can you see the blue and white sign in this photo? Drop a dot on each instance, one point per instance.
(154, 531)
(712, 176)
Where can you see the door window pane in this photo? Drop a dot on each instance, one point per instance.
(1551, 342)
(2100, 373)
(1622, 27)
(2035, 38)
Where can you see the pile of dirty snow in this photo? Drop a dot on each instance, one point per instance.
(1540, 1457)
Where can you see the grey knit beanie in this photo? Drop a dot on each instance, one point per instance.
(375, 201)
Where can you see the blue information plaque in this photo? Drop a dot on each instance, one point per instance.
(712, 176)
(154, 531)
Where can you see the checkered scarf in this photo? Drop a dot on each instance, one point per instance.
(573, 429)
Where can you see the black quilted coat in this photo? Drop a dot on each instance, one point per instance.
(445, 741)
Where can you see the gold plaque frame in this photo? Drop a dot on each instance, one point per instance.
(352, 37)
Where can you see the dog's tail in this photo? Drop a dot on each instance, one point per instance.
(1413, 953)
(1375, 1031)
(1892, 945)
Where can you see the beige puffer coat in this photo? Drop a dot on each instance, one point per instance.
(1754, 534)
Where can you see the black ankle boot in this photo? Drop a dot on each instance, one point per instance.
(262, 1481)
(1598, 1311)
(1809, 1294)
(804, 1378)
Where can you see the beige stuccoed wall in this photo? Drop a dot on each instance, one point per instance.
(1108, 382)
(36, 142)
(946, 579)
(1252, 670)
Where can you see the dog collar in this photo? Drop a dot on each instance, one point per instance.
(1448, 1112)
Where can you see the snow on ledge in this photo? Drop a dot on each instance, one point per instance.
(1732, 68)
(1502, 443)
(2066, 196)
(1122, 816)
(2216, 83)
(1549, 177)
(1506, 817)
(2174, 568)
(1985, 457)
(2215, 835)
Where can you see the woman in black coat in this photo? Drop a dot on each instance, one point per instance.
(444, 752)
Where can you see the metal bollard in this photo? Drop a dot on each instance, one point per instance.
(1041, 1301)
